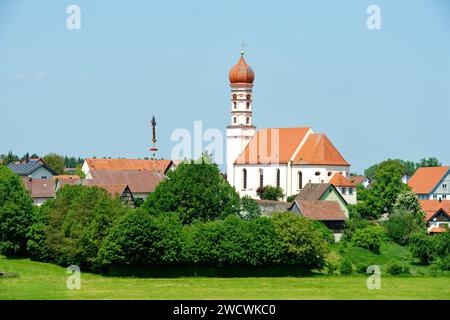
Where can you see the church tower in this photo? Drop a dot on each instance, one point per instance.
(241, 128)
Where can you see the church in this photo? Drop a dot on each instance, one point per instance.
(289, 158)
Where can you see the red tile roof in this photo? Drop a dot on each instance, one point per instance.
(432, 206)
(274, 145)
(40, 188)
(357, 180)
(438, 230)
(426, 179)
(129, 164)
(137, 181)
(339, 180)
(319, 150)
(67, 179)
(321, 210)
(113, 189)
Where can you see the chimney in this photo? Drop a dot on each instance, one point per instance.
(440, 200)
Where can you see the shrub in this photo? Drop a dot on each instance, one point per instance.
(232, 242)
(421, 247)
(352, 225)
(16, 213)
(442, 263)
(361, 267)
(301, 243)
(327, 234)
(402, 224)
(270, 193)
(249, 208)
(291, 198)
(345, 267)
(70, 228)
(369, 238)
(140, 238)
(397, 269)
(441, 245)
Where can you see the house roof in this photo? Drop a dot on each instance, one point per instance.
(431, 207)
(426, 179)
(318, 149)
(67, 179)
(160, 165)
(339, 180)
(313, 191)
(321, 210)
(113, 189)
(357, 180)
(27, 168)
(273, 145)
(138, 181)
(40, 188)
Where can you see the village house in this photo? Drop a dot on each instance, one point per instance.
(40, 190)
(288, 158)
(360, 180)
(437, 215)
(431, 183)
(33, 168)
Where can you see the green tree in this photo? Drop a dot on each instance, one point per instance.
(140, 238)
(195, 191)
(407, 201)
(302, 243)
(9, 158)
(79, 172)
(429, 162)
(249, 208)
(421, 247)
(55, 161)
(380, 198)
(16, 213)
(72, 227)
(402, 224)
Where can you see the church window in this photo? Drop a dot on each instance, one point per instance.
(234, 104)
(317, 173)
(300, 180)
(248, 97)
(234, 96)
(248, 120)
(261, 178)
(278, 177)
(234, 119)
(330, 173)
(248, 105)
(244, 178)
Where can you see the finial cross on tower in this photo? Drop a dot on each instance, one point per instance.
(242, 48)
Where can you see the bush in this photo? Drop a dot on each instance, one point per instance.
(70, 228)
(302, 244)
(346, 267)
(369, 238)
(401, 225)
(270, 193)
(352, 225)
(16, 213)
(442, 263)
(441, 245)
(291, 198)
(421, 247)
(140, 238)
(327, 234)
(249, 208)
(397, 269)
(361, 268)
(232, 242)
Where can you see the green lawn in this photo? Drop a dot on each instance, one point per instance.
(38, 280)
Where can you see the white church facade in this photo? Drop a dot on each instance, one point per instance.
(289, 158)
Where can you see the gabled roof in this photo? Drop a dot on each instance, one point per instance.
(40, 188)
(138, 181)
(319, 150)
(273, 145)
(160, 165)
(321, 210)
(425, 180)
(431, 207)
(438, 230)
(313, 191)
(27, 168)
(339, 180)
(113, 189)
(357, 180)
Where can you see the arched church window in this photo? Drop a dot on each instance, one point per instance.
(244, 178)
(261, 178)
(248, 105)
(278, 177)
(300, 180)
(248, 97)
(234, 120)
(247, 120)
(235, 104)
(234, 96)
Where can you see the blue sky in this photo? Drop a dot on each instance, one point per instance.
(377, 94)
